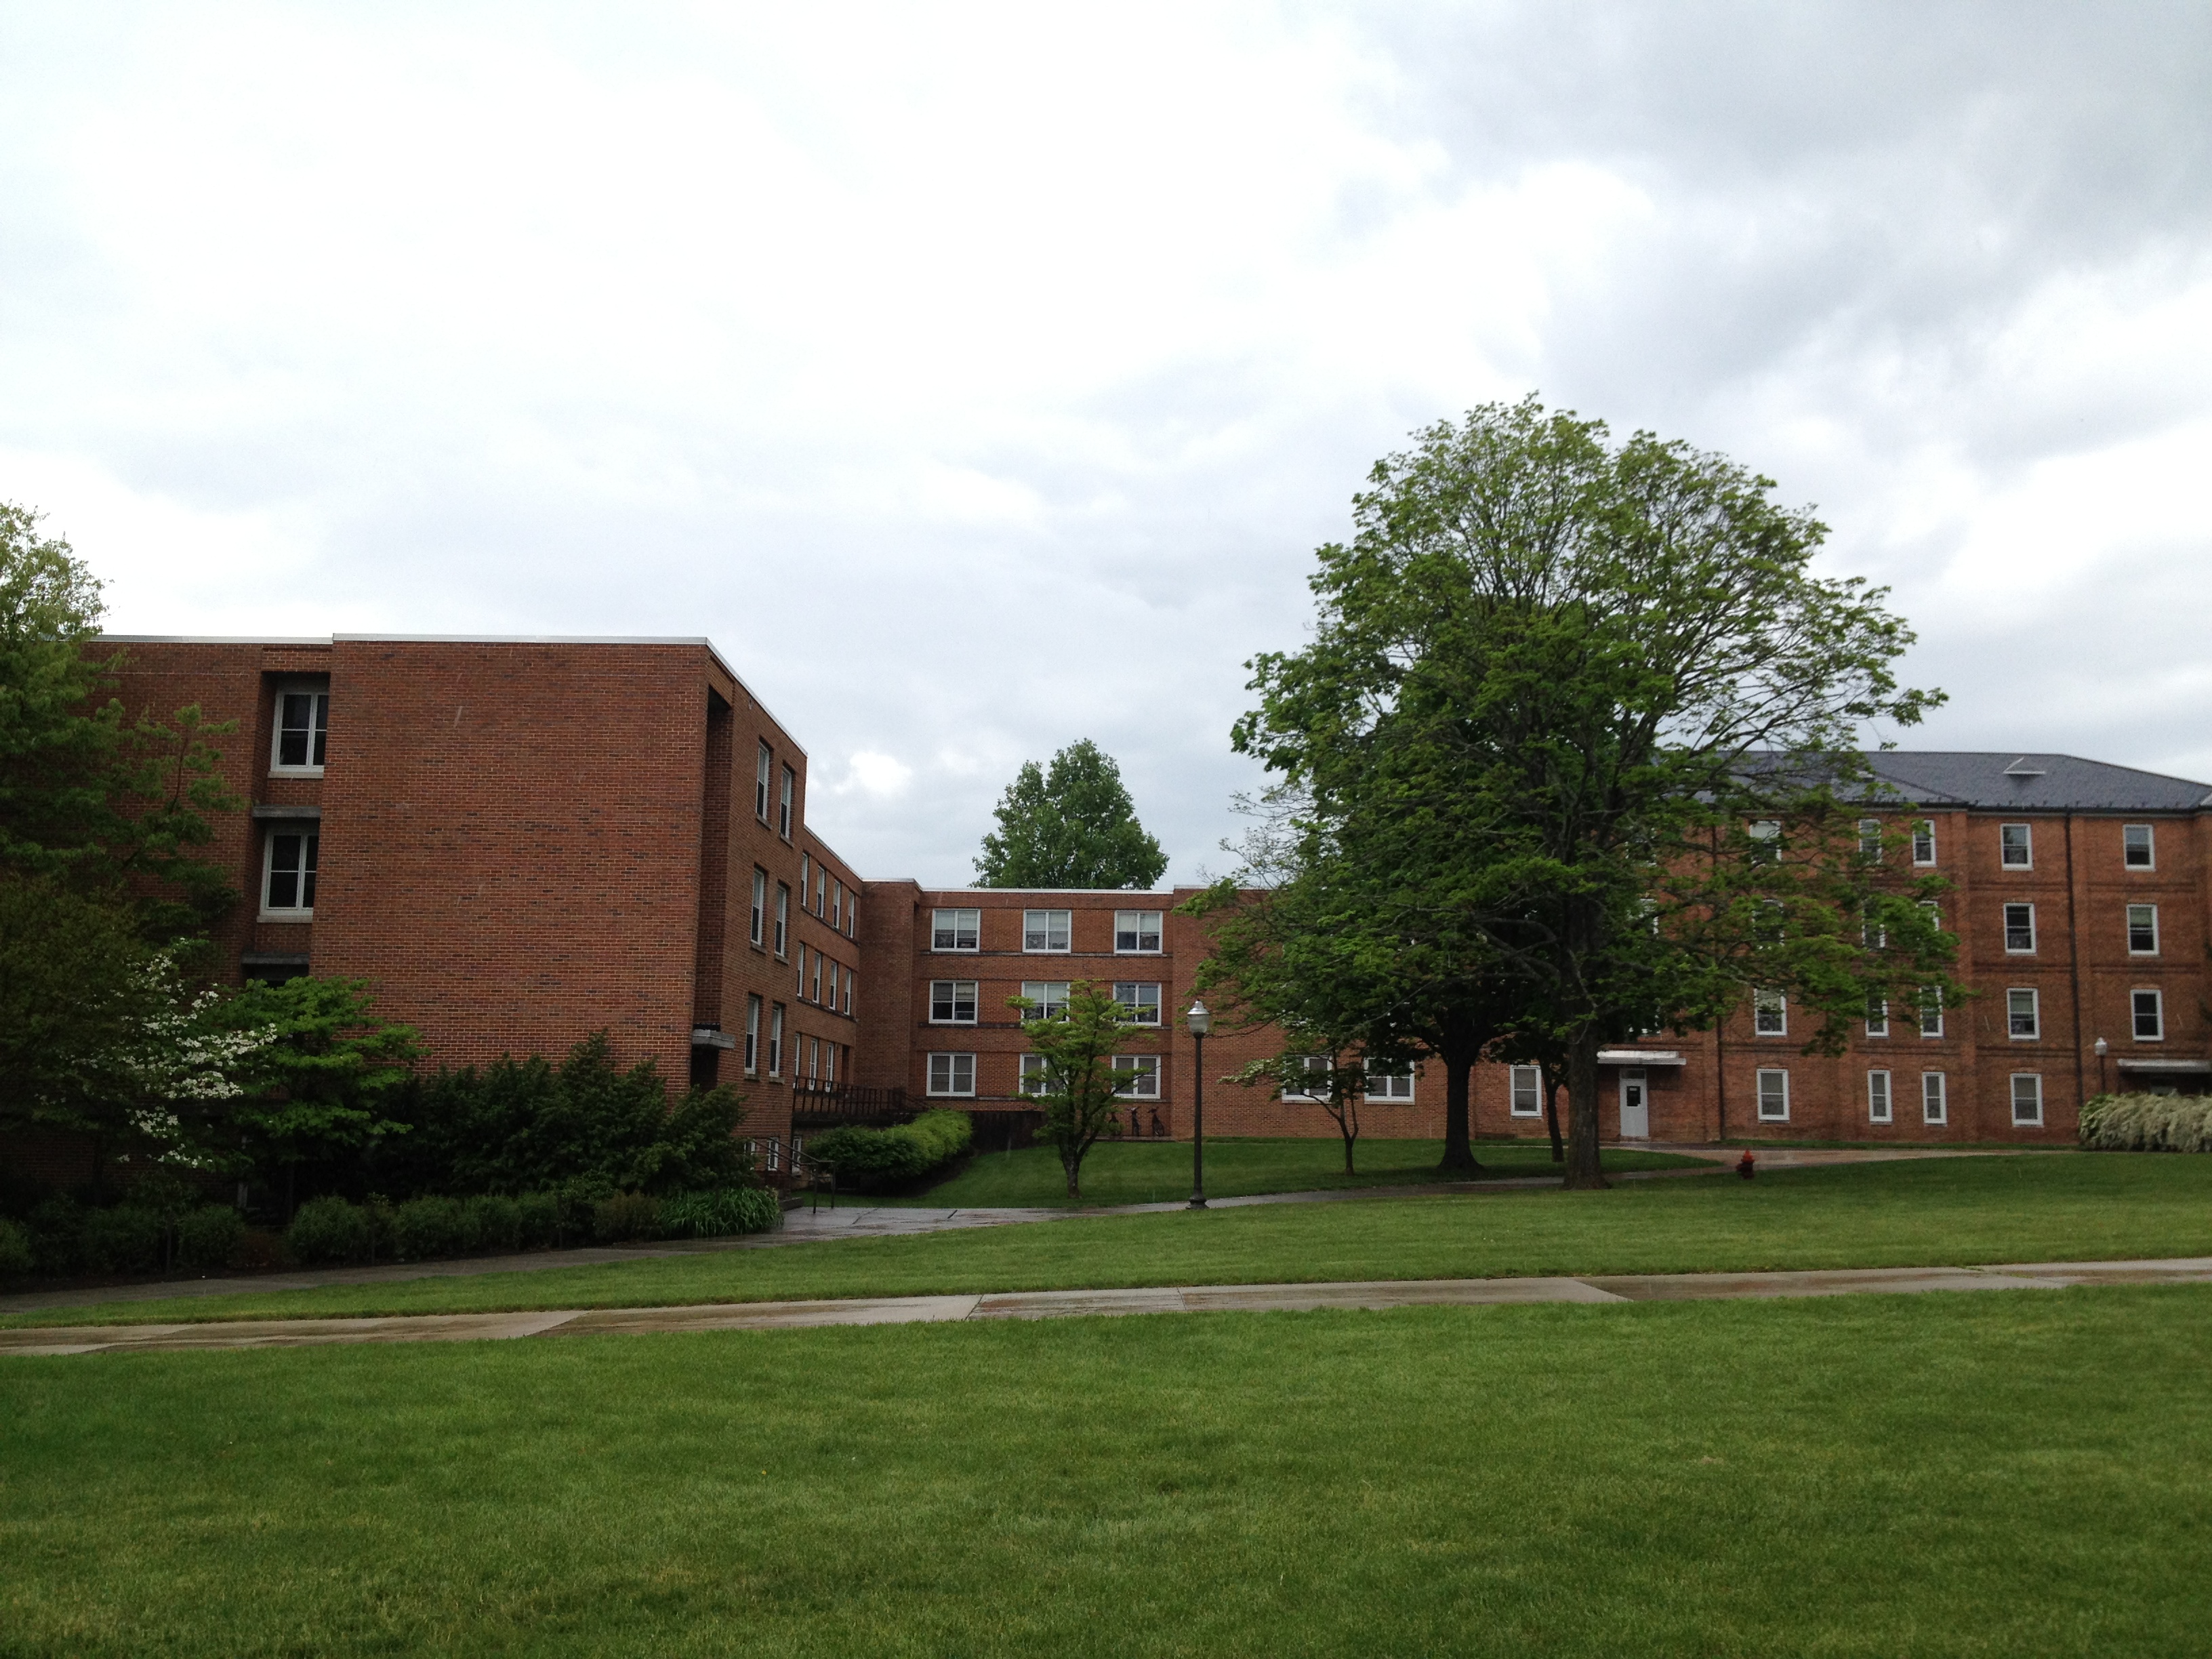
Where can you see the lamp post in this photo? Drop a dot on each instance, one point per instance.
(2101, 1049)
(1200, 1023)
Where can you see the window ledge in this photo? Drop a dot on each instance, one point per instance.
(286, 916)
(263, 810)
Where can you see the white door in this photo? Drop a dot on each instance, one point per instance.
(1635, 1107)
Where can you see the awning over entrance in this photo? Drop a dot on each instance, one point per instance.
(2187, 1067)
(1640, 1057)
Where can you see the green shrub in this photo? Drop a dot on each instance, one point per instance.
(719, 1212)
(428, 1229)
(536, 1221)
(2148, 1123)
(328, 1232)
(625, 1216)
(14, 1249)
(209, 1238)
(866, 1159)
(124, 1240)
(55, 1226)
(491, 1224)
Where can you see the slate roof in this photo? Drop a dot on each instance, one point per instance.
(2006, 781)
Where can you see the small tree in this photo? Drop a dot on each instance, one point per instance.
(1339, 1084)
(1080, 1089)
(1074, 826)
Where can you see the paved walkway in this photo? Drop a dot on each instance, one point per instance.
(1053, 1304)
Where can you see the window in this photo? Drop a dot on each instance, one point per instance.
(952, 1002)
(763, 766)
(813, 1059)
(774, 1154)
(848, 991)
(2142, 930)
(775, 1040)
(2020, 929)
(1765, 841)
(817, 976)
(1923, 842)
(2026, 1099)
(1138, 1075)
(1774, 1096)
(1877, 1020)
(833, 987)
(952, 1074)
(1526, 1096)
(1870, 840)
(2149, 1011)
(1143, 1002)
(782, 918)
(1931, 1013)
(303, 727)
(1035, 1075)
(1136, 930)
(783, 810)
(837, 905)
(1934, 1103)
(288, 883)
(760, 904)
(805, 875)
(1773, 920)
(954, 930)
(1389, 1080)
(1878, 1097)
(1044, 930)
(2022, 1020)
(1306, 1077)
(829, 1063)
(1770, 1013)
(2017, 847)
(752, 1035)
(1872, 932)
(2137, 850)
(1050, 997)
(821, 889)
(802, 971)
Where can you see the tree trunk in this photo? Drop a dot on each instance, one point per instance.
(1552, 1115)
(1459, 1148)
(1584, 1173)
(1351, 1136)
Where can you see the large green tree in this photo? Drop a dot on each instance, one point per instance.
(1073, 825)
(1594, 699)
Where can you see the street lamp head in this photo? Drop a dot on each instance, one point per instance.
(1200, 1021)
(2103, 1048)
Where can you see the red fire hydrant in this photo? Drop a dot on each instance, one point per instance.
(1746, 1166)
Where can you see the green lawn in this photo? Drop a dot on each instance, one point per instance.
(1984, 1474)
(2058, 1206)
(1158, 1171)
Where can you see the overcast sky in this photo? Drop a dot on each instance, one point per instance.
(982, 377)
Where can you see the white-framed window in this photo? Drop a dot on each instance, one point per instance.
(784, 803)
(288, 856)
(817, 976)
(1525, 1091)
(1774, 1096)
(1934, 1098)
(1770, 1013)
(952, 1002)
(1390, 1080)
(1310, 1079)
(302, 727)
(1878, 1101)
(833, 986)
(1872, 933)
(2138, 850)
(2020, 929)
(1035, 1075)
(775, 1153)
(2147, 1006)
(837, 906)
(775, 1040)
(2026, 1099)
(1877, 1018)
(782, 919)
(760, 904)
(763, 770)
(806, 874)
(1765, 840)
(2016, 846)
(849, 976)
(955, 930)
(821, 890)
(813, 1060)
(1931, 1013)
(1138, 1075)
(752, 1035)
(801, 984)
(952, 1074)
(1142, 1000)
(1137, 931)
(1050, 996)
(2023, 1016)
(1046, 929)
(2142, 930)
(1923, 842)
(1870, 840)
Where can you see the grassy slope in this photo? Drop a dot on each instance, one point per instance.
(2058, 1207)
(1158, 1171)
(1933, 1475)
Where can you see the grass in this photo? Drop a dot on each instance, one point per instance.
(1994, 1473)
(2059, 1206)
(1158, 1171)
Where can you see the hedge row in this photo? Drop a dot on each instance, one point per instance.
(60, 1236)
(332, 1232)
(867, 1158)
(2148, 1123)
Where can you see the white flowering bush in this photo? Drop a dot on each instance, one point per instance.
(2148, 1123)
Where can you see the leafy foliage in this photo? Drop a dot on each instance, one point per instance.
(1081, 1091)
(866, 1159)
(1073, 826)
(323, 1082)
(2148, 1123)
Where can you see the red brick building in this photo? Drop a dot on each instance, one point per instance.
(519, 841)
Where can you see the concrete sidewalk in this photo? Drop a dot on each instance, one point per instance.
(1054, 1304)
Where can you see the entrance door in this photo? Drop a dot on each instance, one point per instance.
(1635, 1107)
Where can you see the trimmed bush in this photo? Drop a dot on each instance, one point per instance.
(2148, 1123)
(124, 1240)
(720, 1212)
(537, 1220)
(866, 1159)
(425, 1228)
(491, 1224)
(14, 1249)
(55, 1226)
(328, 1232)
(625, 1216)
(209, 1238)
